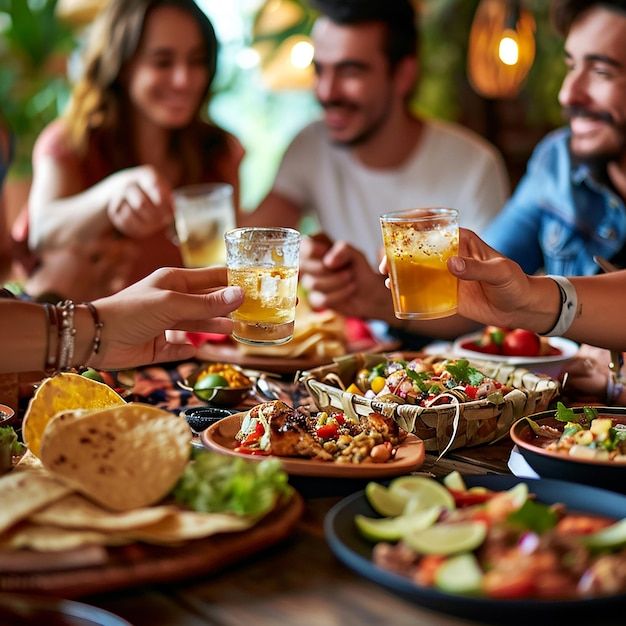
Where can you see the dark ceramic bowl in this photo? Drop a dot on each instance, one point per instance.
(200, 418)
(220, 396)
(550, 464)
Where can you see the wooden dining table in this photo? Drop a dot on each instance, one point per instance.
(300, 582)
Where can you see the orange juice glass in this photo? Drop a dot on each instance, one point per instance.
(418, 244)
(264, 263)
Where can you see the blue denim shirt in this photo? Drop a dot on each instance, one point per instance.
(559, 217)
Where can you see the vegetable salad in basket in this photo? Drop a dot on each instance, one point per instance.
(426, 383)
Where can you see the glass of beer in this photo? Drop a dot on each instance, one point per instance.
(202, 215)
(264, 263)
(418, 244)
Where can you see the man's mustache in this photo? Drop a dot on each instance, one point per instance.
(338, 104)
(601, 116)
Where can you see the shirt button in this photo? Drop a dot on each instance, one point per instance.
(607, 232)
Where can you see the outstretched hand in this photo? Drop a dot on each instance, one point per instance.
(135, 319)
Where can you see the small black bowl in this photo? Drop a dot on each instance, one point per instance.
(200, 418)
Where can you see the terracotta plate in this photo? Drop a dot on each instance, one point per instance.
(549, 464)
(409, 456)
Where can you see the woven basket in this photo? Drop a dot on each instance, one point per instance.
(480, 421)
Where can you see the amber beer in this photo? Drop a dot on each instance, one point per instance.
(202, 215)
(418, 244)
(264, 263)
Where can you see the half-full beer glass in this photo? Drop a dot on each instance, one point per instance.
(418, 244)
(203, 214)
(264, 263)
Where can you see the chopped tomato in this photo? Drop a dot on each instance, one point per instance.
(471, 391)
(340, 417)
(581, 524)
(328, 431)
(427, 568)
(254, 436)
(470, 498)
(508, 584)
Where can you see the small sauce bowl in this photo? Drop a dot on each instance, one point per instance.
(7, 415)
(200, 418)
(220, 396)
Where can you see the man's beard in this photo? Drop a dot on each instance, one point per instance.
(366, 133)
(600, 158)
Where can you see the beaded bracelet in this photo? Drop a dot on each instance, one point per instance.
(97, 337)
(67, 335)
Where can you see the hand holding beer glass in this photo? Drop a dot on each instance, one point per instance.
(264, 263)
(418, 244)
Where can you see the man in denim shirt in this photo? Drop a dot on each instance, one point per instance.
(570, 204)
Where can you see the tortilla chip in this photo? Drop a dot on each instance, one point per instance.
(185, 525)
(23, 493)
(63, 392)
(123, 457)
(75, 511)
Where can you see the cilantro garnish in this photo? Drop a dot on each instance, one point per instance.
(534, 516)
(565, 414)
(463, 372)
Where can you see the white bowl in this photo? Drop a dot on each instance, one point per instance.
(551, 365)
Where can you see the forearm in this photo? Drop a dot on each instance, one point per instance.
(64, 221)
(600, 316)
(25, 336)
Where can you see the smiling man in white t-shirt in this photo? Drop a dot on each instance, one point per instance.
(371, 155)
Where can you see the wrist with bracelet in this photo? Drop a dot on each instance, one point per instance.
(61, 335)
(568, 306)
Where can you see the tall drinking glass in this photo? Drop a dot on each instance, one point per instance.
(203, 214)
(264, 263)
(418, 244)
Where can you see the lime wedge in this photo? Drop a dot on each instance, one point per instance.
(422, 492)
(459, 574)
(394, 528)
(455, 481)
(447, 539)
(383, 501)
(611, 537)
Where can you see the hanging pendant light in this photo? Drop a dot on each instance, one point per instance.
(501, 48)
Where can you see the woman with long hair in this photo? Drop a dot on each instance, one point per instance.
(133, 131)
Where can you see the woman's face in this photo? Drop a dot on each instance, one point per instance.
(167, 78)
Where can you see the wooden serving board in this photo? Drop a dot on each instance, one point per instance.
(94, 569)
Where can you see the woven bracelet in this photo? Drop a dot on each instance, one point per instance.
(97, 337)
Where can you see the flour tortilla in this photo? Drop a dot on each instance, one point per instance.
(22, 493)
(76, 511)
(122, 457)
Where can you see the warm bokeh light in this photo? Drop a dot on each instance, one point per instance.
(508, 50)
(301, 54)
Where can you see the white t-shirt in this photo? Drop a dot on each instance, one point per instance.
(451, 166)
